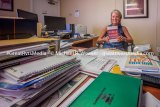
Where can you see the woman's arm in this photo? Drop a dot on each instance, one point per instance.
(101, 38)
(127, 34)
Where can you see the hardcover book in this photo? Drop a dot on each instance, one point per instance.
(110, 90)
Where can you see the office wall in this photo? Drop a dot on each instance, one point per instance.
(158, 27)
(18, 4)
(41, 7)
(96, 14)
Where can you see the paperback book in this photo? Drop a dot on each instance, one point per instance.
(141, 62)
(113, 33)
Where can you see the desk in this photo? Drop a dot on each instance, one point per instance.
(86, 43)
(152, 90)
(6, 44)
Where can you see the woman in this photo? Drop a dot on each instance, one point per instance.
(123, 37)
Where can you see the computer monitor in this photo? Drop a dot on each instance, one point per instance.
(54, 23)
(27, 15)
(14, 28)
(6, 28)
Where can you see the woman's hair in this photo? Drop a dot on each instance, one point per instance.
(117, 11)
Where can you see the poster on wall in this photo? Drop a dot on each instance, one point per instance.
(135, 8)
(6, 5)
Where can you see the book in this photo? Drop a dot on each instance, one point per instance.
(112, 33)
(141, 62)
(110, 90)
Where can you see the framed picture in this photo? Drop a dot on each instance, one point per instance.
(135, 8)
(6, 5)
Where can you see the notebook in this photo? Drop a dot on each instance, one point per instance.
(22, 72)
(43, 78)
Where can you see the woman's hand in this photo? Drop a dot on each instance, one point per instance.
(121, 38)
(106, 39)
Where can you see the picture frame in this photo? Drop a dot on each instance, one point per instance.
(6, 5)
(135, 9)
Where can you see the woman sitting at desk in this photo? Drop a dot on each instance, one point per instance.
(122, 38)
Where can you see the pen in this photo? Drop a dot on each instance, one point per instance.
(150, 70)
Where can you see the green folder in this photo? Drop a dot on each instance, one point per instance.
(110, 90)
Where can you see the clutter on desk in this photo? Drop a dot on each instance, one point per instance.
(142, 48)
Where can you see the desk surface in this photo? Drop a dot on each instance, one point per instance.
(153, 91)
(24, 41)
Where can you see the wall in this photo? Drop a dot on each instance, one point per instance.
(158, 27)
(18, 4)
(96, 14)
(41, 7)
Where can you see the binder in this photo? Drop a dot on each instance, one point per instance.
(111, 90)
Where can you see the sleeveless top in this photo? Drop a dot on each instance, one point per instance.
(118, 45)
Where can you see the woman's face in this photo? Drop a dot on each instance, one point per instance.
(115, 18)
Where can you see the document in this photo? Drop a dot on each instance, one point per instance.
(150, 101)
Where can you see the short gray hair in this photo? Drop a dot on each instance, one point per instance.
(120, 15)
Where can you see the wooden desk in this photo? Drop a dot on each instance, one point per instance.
(6, 44)
(154, 91)
(86, 43)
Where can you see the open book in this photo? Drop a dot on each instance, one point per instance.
(113, 33)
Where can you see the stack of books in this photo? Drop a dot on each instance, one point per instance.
(145, 67)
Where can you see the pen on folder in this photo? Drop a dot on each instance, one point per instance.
(149, 70)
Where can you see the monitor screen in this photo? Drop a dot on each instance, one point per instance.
(25, 28)
(55, 23)
(27, 15)
(17, 28)
(6, 28)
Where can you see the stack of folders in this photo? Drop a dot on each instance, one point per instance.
(110, 90)
(37, 78)
(16, 56)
